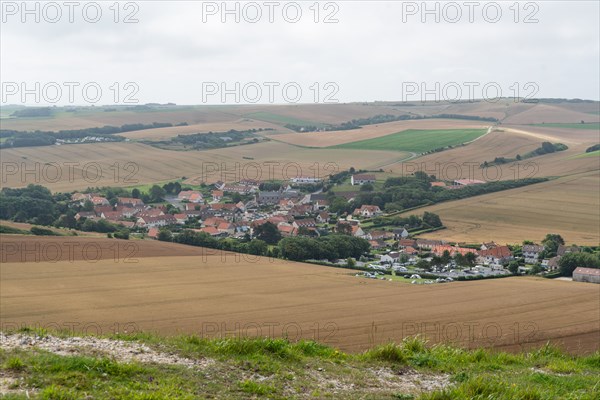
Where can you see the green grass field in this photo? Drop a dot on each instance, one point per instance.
(282, 120)
(278, 369)
(585, 155)
(588, 125)
(418, 141)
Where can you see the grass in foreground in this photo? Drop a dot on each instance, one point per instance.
(278, 369)
(418, 141)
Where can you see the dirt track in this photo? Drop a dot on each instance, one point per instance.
(219, 295)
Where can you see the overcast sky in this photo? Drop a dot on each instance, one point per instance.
(183, 52)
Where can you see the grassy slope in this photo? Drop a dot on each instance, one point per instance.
(417, 140)
(277, 369)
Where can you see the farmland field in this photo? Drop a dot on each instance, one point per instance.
(568, 205)
(156, 165)
(332, 138)
(417, 140)
(217, 294)
(280, 119)
(593, 126)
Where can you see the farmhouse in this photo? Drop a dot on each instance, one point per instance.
(361, 179)
(586, 275)
(367, 211)
(129, 201)
(401, 234)
(495, 256)
(531, 253)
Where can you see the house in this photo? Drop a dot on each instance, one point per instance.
(389, 258)
(99, 201)
(269, 198)
(428, 244)
(155, 221)
(400, 234)
(80, 197)
(153, 233)
(495, 256)
(129, 201)
(217, 195)
(467, 182)
(357, 231)
(377, 244)
(226, 227)
(85, 214)
(586, 275)
(181, 218)
(438, 184)
(381, 235)
(367, 211)
(212, 231)
(361, 179)
(453, 250)
(562, 250)
(407, 243)
(320, 205)
(304, 223)
(487, 246)
(551, 264)
(531, 253)
(410, 250)
(287, 230)
(250, 182)
(322, 217)
(193, 196)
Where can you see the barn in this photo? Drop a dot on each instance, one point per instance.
(586, 275)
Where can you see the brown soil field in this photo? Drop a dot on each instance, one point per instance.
(548, 113)
(220, 296)
(332, 138)
(21, 248)
(157, 165)
(568, 206)
(323, 113)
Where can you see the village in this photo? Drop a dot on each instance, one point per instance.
(239, 210)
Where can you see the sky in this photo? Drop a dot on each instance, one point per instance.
(194, 52)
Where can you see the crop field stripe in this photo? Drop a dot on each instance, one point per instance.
(281, 119)
(417, 140)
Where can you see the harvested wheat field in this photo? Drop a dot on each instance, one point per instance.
(568, 206)
(332, 138)
(219, 295)
(169, 132)
(73, 167)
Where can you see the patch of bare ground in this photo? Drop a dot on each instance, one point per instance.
(116, 349)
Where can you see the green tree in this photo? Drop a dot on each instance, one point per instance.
(258, 247)
(551, 243)
(165, 235)
(570, 261)
(157, 194)
(135, 193)
(267, 232)
(513, 267)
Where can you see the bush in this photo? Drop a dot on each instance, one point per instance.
(43, 231)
